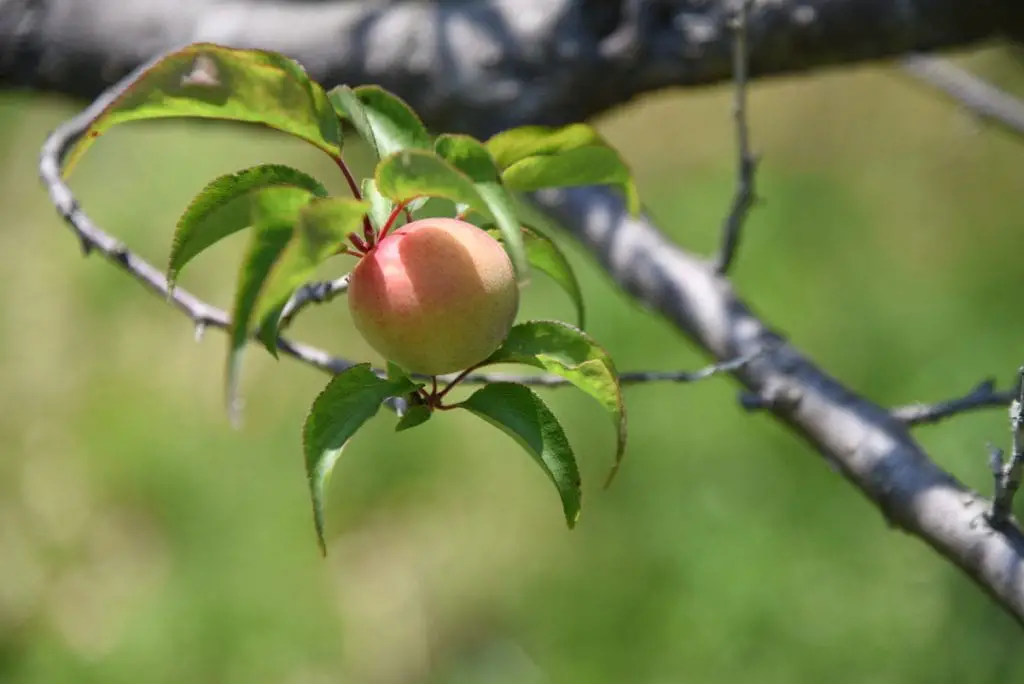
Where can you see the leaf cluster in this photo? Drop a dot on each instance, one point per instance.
(295, 227)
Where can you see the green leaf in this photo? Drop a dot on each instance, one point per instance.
(380, 118)
(409, 174)
(417, 414)
(563, 350)
(509, 146)
(396, 372)
(380, 206)
(351, 398)
(412, 176)
(579, 167)
(222, 208)
(471, 158)
(545, 256)
(520, 413)
(208, 81)
(321, 227)
(274, 213)
(537, 157)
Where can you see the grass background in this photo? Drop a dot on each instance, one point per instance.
(144, 540)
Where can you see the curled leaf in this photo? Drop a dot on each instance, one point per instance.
(381, 118)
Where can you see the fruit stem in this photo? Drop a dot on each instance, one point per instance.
(369, 234)
(349, 178)
(392, 218)
(357, 194)
(458, 378)
(358, 243)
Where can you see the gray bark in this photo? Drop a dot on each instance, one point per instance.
(483, 66)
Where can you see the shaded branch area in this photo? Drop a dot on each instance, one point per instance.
(481, 67)
(484, 66)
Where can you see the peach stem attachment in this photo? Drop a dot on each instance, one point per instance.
(392, 218)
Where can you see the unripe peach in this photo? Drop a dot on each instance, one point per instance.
(436, 296)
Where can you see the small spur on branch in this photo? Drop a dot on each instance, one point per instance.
(1007, 472)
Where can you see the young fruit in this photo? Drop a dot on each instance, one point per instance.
(436, 296)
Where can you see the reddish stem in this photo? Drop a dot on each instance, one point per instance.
(358, 243)
(369, 234)
(352, 185)
(368, 230)
(392, 218)
(458, 378)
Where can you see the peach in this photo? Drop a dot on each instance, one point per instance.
(436, 296)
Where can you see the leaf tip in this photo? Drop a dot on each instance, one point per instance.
(321, 542)
(234, 410)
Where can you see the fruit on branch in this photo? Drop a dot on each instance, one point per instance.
(436, 296)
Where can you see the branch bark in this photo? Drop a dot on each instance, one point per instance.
(484, 66)
(487, 66)
(870, 447)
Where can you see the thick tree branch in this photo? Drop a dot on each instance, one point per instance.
(982, 99)
(863, 441)
(485, 66)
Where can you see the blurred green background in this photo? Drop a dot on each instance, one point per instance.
(142, 539)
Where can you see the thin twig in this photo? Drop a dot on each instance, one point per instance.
(745, 194)
(979, 97)
(320, 292)
(983, 396)
(1008, 474)
(627, 378)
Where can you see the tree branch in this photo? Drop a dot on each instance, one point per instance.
(312, 293)
(1008, 473)
(486, 66)
(984, 396)
(746, 163)
(981, 99)
(863, 441)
